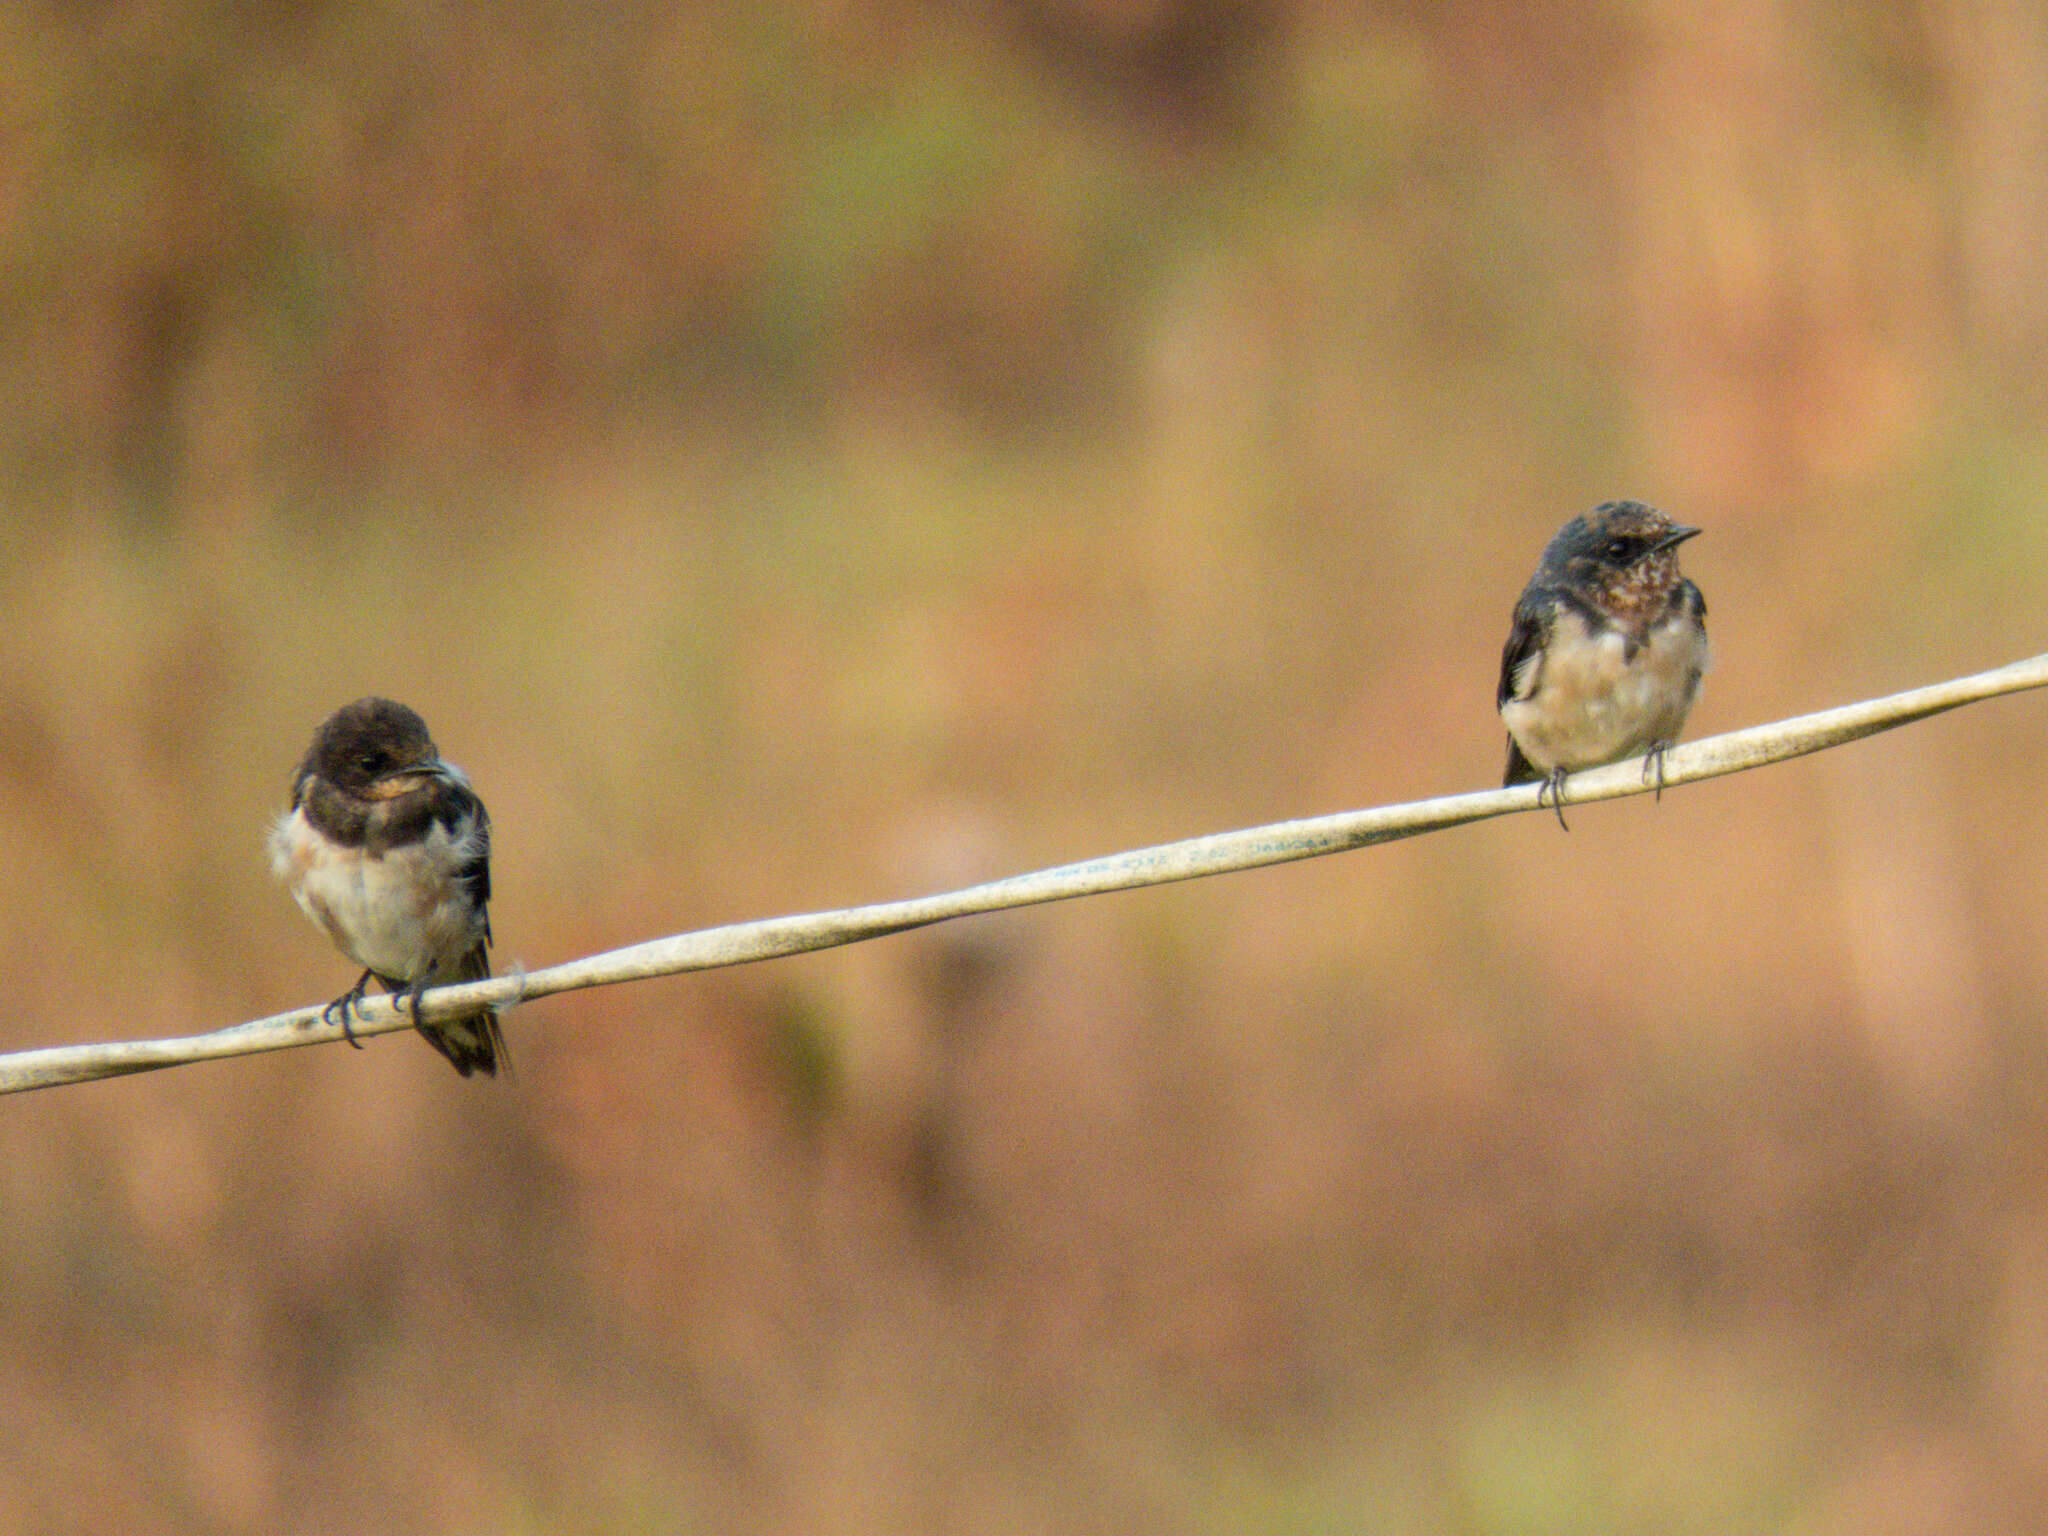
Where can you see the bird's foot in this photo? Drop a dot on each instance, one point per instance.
(1553, 786)
(343, 1008)
(1653, 763)
(408, 1001)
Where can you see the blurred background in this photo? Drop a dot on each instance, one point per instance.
(800, 455)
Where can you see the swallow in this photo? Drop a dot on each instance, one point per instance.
(388, 850)
(1607, 650)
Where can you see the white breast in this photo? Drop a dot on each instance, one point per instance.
(1593, 703)
(404, 915)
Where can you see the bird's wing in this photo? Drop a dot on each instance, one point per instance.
(463, 814)
(1521, 659)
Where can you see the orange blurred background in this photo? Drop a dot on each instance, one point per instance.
(798, 456)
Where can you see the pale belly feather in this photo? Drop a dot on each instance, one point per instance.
(1594, 704)
(404, 915)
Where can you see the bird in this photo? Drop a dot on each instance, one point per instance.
(1606, 651)
(387, 849)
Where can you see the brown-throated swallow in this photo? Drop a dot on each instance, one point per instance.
(388, 851)
(1607, 650)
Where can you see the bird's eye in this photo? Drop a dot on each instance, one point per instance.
(370, 762)
(1618, 550)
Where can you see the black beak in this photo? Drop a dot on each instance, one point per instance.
(1674, 538)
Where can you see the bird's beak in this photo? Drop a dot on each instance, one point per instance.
(1675, 537)
(439, 768)
(400, 781)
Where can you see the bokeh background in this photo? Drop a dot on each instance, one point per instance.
(797, 455)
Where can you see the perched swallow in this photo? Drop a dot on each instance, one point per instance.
(388, 850)
(1607, 650)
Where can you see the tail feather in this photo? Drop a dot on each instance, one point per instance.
(472, 1042)
(1520, 769)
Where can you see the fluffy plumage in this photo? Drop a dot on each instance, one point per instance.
(387, 849)
(1606, 651)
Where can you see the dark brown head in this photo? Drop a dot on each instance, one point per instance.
(1622, 555)
(373, 749)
